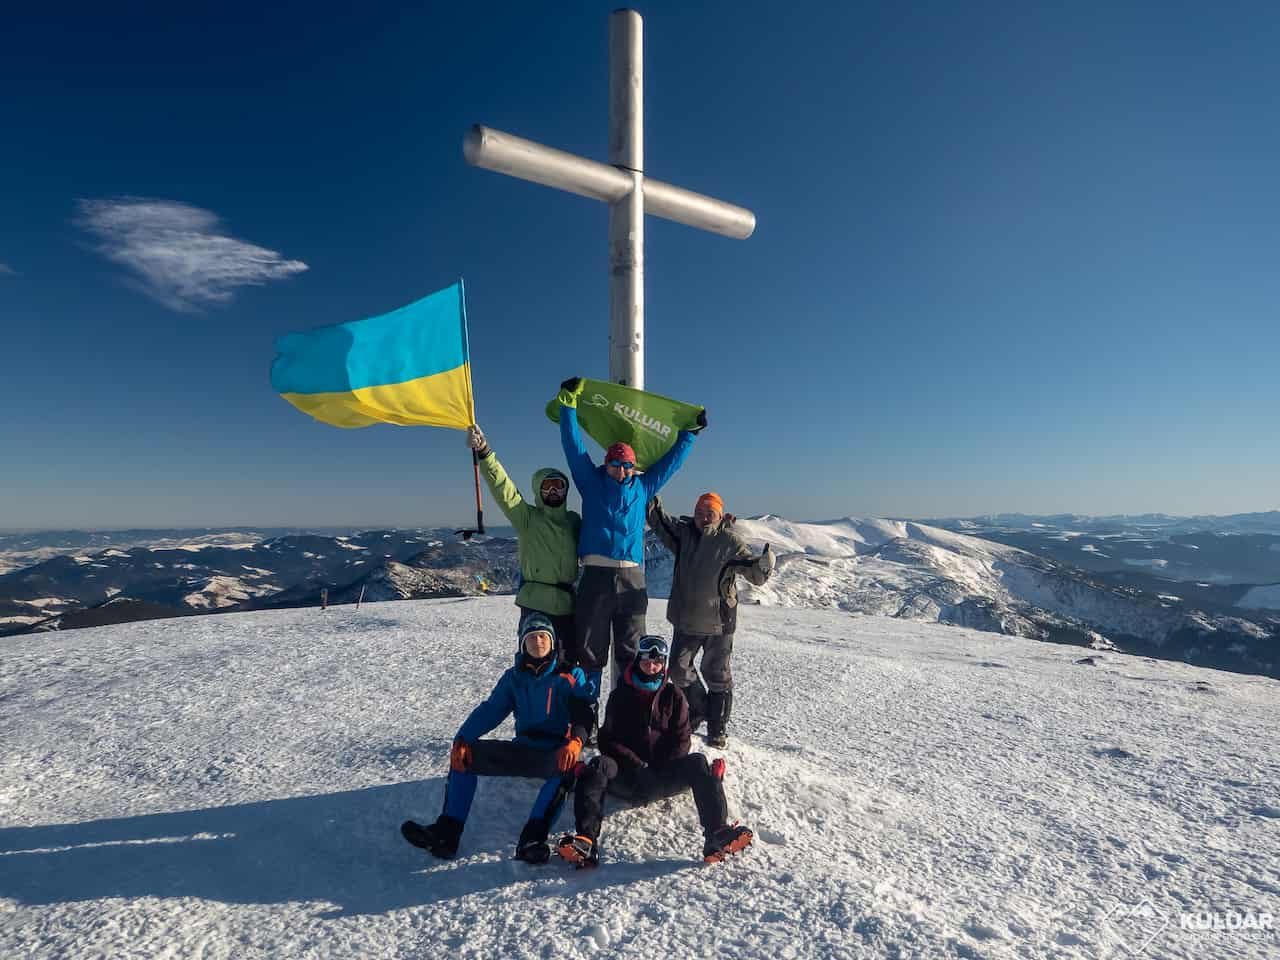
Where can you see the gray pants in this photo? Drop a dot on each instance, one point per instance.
(716, 649)
(610, 601)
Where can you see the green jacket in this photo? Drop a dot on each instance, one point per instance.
(548, 538)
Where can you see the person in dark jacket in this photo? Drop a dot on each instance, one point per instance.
(551, 712)
(611, 593)
(703, 606)
(644, 756)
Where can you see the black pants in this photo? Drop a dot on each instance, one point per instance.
(645, 785)
(610, 600)
(566, 631)
(717, 650)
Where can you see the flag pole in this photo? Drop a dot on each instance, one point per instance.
(471, 402)
(475, 465)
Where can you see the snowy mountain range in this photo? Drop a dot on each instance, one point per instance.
(1201, 552)
(890, 568)
(232, 787)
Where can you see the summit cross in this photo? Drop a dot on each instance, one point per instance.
(622, 184)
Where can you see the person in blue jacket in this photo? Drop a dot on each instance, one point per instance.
(611, 594)
(552, 710)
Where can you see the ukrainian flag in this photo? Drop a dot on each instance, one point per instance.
(410, 367)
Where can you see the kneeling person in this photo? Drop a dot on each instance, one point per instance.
(551, 716)
(644, 756)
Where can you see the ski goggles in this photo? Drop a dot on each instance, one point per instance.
(622, 464)
(554, 485)
(652, 648)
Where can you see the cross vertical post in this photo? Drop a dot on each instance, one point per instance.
(622, 184)
(626, 215)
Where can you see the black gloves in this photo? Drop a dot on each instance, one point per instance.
(701, 421)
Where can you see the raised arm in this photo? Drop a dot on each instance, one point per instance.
(506, 493)
(656, 477)
(575, 453)
(663, 524)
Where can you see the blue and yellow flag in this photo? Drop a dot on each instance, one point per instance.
(410, 367)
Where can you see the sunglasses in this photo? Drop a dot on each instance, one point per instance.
(624, 464)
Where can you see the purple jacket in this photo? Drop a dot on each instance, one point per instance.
(645, 729)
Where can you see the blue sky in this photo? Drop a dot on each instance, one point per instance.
(1008, 258)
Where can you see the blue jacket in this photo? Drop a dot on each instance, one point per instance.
(548, 705)
(613, 513)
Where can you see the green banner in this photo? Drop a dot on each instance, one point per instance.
(610, 412)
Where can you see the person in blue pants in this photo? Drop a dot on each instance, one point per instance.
(552, 710)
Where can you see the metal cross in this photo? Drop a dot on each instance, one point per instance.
(622, 184)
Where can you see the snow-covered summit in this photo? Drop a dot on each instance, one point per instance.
(232, 786)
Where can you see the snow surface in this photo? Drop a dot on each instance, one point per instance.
(232, 786)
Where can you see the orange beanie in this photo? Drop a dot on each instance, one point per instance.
(712, 500)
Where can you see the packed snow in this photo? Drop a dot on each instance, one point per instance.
(232, 786)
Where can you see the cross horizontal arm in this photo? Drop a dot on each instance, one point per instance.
(527, 160)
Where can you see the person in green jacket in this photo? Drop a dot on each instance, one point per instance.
(547, 532)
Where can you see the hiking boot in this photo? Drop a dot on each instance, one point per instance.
(726, 840)
(719, 707)
(580, 850)
(533, 851)
(532, 845)
(440, 839)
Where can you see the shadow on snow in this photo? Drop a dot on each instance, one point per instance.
(339, 848)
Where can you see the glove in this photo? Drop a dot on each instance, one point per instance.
(460, 756)
(477, 442)
(570, 390)
(767, 560)
(701, 421)
(567, 756)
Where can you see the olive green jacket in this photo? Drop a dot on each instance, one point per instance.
(548, 538)
(704, 587)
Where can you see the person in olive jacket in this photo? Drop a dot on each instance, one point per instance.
(644, 756)
(547, 532)
(703, 606)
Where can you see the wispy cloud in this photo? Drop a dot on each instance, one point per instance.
(179, 252)
(7, 271)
